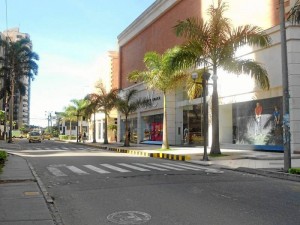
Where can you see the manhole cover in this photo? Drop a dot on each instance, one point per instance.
(129, 217)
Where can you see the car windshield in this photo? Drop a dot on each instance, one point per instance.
(35, 134)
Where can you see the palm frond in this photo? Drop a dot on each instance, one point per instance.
(249, 35)
(254, 69)
(294, 13)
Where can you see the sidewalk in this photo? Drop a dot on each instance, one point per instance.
(22, 202)
(264, 163)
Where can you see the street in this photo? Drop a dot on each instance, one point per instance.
(96, 187)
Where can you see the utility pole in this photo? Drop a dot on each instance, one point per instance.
(285, 89)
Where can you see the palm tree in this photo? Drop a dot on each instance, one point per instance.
(19, 62)
(80, 105)
(104, 102)
(213, 44)
(160, 75)
(69, 114)
(90, 110)
(294, 13)
(128, 104)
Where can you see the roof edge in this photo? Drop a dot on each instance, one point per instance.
(146, 18)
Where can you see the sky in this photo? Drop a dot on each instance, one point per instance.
(72, 39)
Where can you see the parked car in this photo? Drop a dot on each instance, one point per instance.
(34, 136)
(46, 136)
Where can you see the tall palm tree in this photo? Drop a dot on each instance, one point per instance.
(91, 109)
(80, 105)
(160, 75)
(69, 114)
(104, 102)
(128, 104)
(213, 44)
(19, 62)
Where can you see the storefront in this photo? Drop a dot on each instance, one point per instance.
(192, 125)
(258, 123)
(152, 127)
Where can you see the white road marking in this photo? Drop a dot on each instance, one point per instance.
(115, 168)
(182, 166)
(150, 167)
(96, 169)
(56, 171)
(76, 170)
(205, 168)
(165, 166)
(133, 167)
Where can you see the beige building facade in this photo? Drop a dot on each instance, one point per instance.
(238, 96)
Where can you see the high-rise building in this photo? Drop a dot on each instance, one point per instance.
(21, 111)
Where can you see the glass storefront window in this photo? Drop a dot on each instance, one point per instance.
(132, 125)
(192, 124)
(152, 128)
(258, 122)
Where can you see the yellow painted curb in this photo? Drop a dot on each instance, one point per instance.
(153, 155)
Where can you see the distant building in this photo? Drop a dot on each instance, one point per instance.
(21, 115)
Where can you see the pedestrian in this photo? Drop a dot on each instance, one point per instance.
(84, 137)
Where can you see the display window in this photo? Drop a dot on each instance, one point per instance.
(152, 127)
(192, 125)
(258, 122)
(132, 126)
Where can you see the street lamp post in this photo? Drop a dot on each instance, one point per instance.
(205, 78)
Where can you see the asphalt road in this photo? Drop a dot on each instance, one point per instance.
(96, 187)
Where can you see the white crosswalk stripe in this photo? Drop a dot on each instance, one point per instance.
(206, 169)
(133, 167)
(56, 170)
(151, 167)
(76, 170)
(115, 168)
(165, 166)
(96, 169)
(182, 166)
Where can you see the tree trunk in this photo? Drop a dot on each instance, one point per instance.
(165, 144)
(215, 145)
(105, 129)
(126, 142)
(94, 128)
(11, 108)
(70, 130)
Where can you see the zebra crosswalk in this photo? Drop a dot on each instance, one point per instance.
(63, 170)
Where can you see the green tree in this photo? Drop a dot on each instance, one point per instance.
(90, 110)
(294, 13)
(104, 102)
(69, 114)
(160, 75)
(213, 44)
(19, 63)
(80, 106)
(127, 104)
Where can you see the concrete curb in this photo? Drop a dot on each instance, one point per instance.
(268, 173)
(149, 154)
(159, 155)
(50, 203)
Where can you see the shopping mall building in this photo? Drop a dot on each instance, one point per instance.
(238, 95)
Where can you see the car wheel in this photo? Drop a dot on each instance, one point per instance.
(29, 141)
